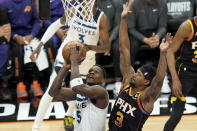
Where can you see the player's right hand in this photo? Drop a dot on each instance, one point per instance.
(35, 54)
(127, 9)
(177, 88)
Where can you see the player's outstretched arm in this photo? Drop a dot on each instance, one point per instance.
(150, 95)
(61, 93)
(182, 34)
(124, 43)
(51, 30)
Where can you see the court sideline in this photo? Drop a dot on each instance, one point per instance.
(154, 123)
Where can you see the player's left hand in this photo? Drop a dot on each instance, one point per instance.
(164, 46)
(75, 54)
(127, 9)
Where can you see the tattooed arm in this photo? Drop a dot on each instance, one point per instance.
(151, 93)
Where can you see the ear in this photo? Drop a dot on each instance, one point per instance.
(146, 82)
(103, 80)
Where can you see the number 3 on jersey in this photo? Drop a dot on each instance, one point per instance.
(119, 119)
(81, 38)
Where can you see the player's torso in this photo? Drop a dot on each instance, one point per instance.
(88, 116)
(126, 114)
(188, 51)
(84, 31)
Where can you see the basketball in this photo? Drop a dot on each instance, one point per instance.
(66, 50)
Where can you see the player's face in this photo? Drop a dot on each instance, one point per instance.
(95, 76)
(138, 79)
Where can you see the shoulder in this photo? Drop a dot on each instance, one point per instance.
(186, 28)
(103, 20)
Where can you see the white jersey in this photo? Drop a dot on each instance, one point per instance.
(88, 116)
(84, 32)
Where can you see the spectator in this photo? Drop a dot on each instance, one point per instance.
(25, 26)
(179, 11)
(147, 24)
(113, 9)
(5, 33)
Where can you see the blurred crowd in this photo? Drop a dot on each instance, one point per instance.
(148, 23)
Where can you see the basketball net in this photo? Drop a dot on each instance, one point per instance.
(80, 9)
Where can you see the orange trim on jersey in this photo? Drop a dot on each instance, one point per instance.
(140, 105)
(195, 20)
(130, 93)
(124, 88)
(192, 27)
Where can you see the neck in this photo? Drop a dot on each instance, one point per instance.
(148, 1)
(136, 90)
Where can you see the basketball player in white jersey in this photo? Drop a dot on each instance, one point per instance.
(84, 32)
(92, 99)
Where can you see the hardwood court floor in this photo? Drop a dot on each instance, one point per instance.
(154, 123)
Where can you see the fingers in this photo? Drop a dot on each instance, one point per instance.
(130, 4)
(153, 34)
(32, 58)
(163, 40)
(180, 94)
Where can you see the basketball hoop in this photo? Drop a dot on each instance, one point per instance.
(79, 9)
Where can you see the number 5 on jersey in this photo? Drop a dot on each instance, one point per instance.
(78, 116)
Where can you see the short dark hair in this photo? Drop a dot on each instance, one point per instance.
(149, 71)
(103, 70)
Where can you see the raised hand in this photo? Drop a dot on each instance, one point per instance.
(164, 46)
(177, 88)
(36, 53)
(127, 9)
(76, 54)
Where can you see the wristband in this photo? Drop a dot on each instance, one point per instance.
(76, 82)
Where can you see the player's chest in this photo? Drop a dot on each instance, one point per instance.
(84, 28)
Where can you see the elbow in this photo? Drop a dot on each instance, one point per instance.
(53, 93)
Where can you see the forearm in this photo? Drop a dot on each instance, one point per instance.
(36, 28)
(74, 70)
(114, 33)
(51, 31)
(80, 87)
(171, 64)
(124, 46)
(161, 32)
(56, 85)
(105, 47)
(8, 32)
(139, 36)
(161, 69)
(154, 91)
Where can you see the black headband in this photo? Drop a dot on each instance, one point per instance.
(148, 75)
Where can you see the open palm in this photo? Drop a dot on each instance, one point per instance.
(166, 42)
(127, 9)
